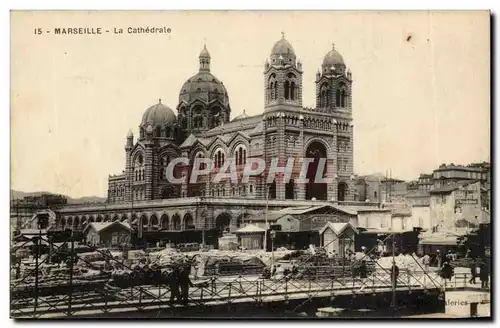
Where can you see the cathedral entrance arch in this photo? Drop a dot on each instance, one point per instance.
(342, 191)
(316, 151)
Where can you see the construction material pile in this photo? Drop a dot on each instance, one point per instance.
(404, 262)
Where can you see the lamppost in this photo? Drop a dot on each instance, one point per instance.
(272, 234)
(265, 217)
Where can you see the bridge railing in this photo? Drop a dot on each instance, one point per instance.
(74, 297)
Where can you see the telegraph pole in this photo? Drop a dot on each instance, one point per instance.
(393, 278)
(267, 207)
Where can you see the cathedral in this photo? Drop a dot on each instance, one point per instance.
(203, 128)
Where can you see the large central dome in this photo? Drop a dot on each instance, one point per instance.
(203, 86)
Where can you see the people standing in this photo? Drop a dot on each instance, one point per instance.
(363, 274)
(426, 261)
(185, 283)
(394, 275)
(446, 271)
(173, 282)
(484, 274)
(473, 272)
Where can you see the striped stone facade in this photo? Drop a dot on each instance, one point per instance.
(285, 130)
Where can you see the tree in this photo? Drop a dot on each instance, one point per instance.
(477, 241)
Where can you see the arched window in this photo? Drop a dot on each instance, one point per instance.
(158, 132)
(271, 91)
(287, 89)
(240, 155)
(165, 160)
(337, 98)
(342, 99)
(199, 156)
(138, 167)
(219, 159)
(276, 90)
(167, 132)
(292, 90)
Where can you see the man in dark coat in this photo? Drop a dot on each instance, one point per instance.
(473, 269)
(363, 274)
(394, 275)
(173, 282)
(185, 283)
(484, 274)
(447, 271)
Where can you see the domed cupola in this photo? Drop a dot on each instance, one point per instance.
(203, 99)
(159, 120)
(283, 53)
(333, 62)
(240, 117)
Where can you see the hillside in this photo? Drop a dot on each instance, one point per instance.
(15, 194)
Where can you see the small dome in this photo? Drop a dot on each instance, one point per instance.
(158, 114)
(332, 58)
(282, 47)
(241, 116)
(149, 129)
(283, 53)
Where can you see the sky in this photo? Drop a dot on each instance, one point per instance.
(421, 90)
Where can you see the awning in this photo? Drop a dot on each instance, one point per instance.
(450, 240)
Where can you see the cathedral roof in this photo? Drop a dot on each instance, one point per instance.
(158, 114)
(246, 123)
(258, 129)
(332, 58)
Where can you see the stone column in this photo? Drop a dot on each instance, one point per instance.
(148, 171)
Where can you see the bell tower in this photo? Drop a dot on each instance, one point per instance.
(283, 77)
(333, 84)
